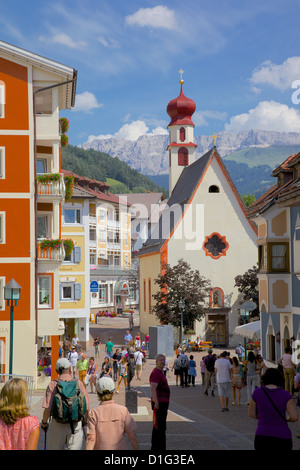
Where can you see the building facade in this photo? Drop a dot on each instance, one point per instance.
(33, 90)
(205, 223)
(277, 215)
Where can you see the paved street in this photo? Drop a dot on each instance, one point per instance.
(195, 421)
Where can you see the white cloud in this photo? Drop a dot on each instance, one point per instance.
(86, 102)
(109, 43)
(200, 117)
(131, 131)
(65, 40)
(268, 115)
(279, 76)
(157, 17)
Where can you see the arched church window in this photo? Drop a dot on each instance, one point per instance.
(182, 134)
(213, 189)
(183, 156)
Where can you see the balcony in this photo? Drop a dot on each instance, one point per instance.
(51, 186)
(113, 246)
(56, 254)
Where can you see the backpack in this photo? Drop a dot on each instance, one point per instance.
(184, 361)
(69, 404)
(210, 366)
(238, 351)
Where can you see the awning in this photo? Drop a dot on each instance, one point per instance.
(250, 330)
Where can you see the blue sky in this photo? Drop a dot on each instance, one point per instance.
(240, 61)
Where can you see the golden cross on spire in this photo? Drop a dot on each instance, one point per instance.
(181, 81)
(215, 137)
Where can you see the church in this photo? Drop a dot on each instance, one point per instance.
(205, 223)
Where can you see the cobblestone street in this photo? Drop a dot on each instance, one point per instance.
(195, 421)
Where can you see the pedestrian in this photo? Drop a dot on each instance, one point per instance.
(192, 373)
(63, 435)
(251, 371)
(131, 320)
(82, 367)
(66, 346)
(203, 369)
(116, 359)
(138, 359)
(109, 422)
(92, 373)
(288, 370)
(73, 358)
(176, 368)
(97, 345)
(109, 348)
(184, 368)
(273, 407)
(122, 372)
(75, 340)
(260, 368)
(166, 366)
(210, 374)
(223, 370)
(127, 338)
(124, 351)
(240, 351)
(236, 381)
(147, 342)
(18, 430)
(160, 397)
(137, 341)
(106, 368)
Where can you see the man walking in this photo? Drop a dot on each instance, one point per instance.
(288, 370)
(223, 369)
(184, 368)
(138, 359)
(210, 375)
(109, 348)
(82, 367)
(160, 397)
(73, 358)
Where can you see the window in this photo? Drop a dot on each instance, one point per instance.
(182, 134)
(2, 162)
(72, 216)
(2, 228)
(43, 226)
(102, 214)
(278, 256)
(2, 99)
(69, 291)
(183, 157)
(215, 245)
(93, 259)
(262, 257)
(2, 301)
(41, 165)
(213, 189)
(103, 293)
(74, 257)
(45, 288)
(102, 236)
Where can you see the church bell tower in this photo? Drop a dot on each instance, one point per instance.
(181, 131)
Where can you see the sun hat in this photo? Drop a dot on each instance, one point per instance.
(105, 385)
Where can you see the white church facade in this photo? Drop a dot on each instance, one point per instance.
(206, 224)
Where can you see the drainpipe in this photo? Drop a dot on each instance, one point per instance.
(40, 90)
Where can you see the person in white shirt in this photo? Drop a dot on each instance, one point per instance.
(73, 358)
(288, 370)
(223, 369)
(138, 358)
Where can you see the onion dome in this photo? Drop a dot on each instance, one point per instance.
(181, 110)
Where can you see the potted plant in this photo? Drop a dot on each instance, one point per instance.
(69, 182)
(64, 125)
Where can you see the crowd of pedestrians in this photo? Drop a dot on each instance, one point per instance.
(269, 396)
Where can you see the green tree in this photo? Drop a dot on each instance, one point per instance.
(247, 285)
(176, 283)
(248, 199)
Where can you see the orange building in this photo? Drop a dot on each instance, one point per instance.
(33, 90)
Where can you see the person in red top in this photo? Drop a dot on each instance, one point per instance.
(160, 398)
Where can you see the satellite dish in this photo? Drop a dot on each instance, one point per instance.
(248, 306)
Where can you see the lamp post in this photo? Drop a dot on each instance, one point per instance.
(181, 307)
(12, 293)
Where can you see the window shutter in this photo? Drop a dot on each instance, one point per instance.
(60, 292)
(77, 291)
(77, 254)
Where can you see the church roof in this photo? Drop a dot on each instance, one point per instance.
(181, 195)
(181, 110)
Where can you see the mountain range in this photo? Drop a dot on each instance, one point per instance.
(250, 156)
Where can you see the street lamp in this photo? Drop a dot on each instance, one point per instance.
(181, 307)
(12, 293)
